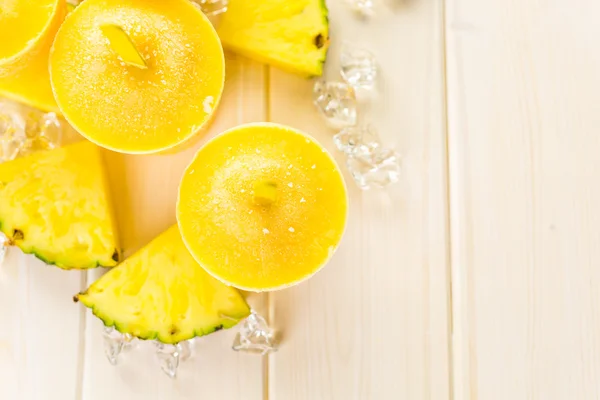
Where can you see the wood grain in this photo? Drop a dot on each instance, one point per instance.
(373, 324)
(523, 88)
(39, 330)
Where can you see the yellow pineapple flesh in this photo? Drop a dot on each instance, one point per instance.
(290, 34)
(162, 293)
(56, 205)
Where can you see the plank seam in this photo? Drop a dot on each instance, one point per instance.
(267, 364)
(449, 284)
(81, 344)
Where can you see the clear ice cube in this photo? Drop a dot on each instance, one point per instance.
(12, 130)
(3, 247)
(377, 168)
(353, 140)
(25, 130)
(255, 336)
(43, 131)
(169, 356)
(336, 101)
(50, 130)
(364, 8)
(369, 163)
(358, 67)
(115, 343)
(212, 7)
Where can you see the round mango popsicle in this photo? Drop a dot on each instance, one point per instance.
(27, 29)
(262, 207)
(137, 76)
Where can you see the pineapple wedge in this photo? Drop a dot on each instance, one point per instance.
(289, 34)
(162, 293)
(56, 206)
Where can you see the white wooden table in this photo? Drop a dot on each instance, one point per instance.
(476, 277)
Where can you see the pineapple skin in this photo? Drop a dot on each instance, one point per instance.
(56, 206)
(303, 55)
(164, 276)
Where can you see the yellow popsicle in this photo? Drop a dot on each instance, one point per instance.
(262, 207)
(107, 96)
(28, 29)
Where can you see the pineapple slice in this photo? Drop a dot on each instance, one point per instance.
(290, 34)
(56, 206)
(162, 293)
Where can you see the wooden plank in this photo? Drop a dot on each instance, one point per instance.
(40, 330)
(523, 88)
(145, 191)
(374, 323)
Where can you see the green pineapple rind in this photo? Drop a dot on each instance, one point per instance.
(47, 260)
(226, 318)
(325, 14)
(226, 323)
